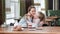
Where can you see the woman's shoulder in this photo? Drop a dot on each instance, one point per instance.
(25, 16)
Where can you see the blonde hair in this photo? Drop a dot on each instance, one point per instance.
(41, 16)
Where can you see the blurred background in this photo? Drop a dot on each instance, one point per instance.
(11, 11)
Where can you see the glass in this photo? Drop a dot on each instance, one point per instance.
(29, 26)
(32, 26)
(10, 29)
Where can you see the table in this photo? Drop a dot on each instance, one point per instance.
(43, 30)
(54, 18)
(48, 21)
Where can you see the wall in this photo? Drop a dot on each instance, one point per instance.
(2, 12)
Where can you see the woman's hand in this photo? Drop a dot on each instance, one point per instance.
(17, 28)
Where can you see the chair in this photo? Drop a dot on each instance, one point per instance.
(54, 13)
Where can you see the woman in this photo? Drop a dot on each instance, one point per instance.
(27, 18)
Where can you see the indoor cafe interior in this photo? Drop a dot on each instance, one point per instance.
(12, 12)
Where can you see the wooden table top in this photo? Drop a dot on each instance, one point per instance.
(37, 31)
(48, 20)
(53, 17)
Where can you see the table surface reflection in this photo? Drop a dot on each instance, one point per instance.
(46, 30)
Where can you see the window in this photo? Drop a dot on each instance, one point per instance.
(12, 10)
(40, 7)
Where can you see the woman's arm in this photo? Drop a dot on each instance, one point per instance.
(17, 28)
(22, 22)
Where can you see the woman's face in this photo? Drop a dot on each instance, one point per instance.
(32, 11)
